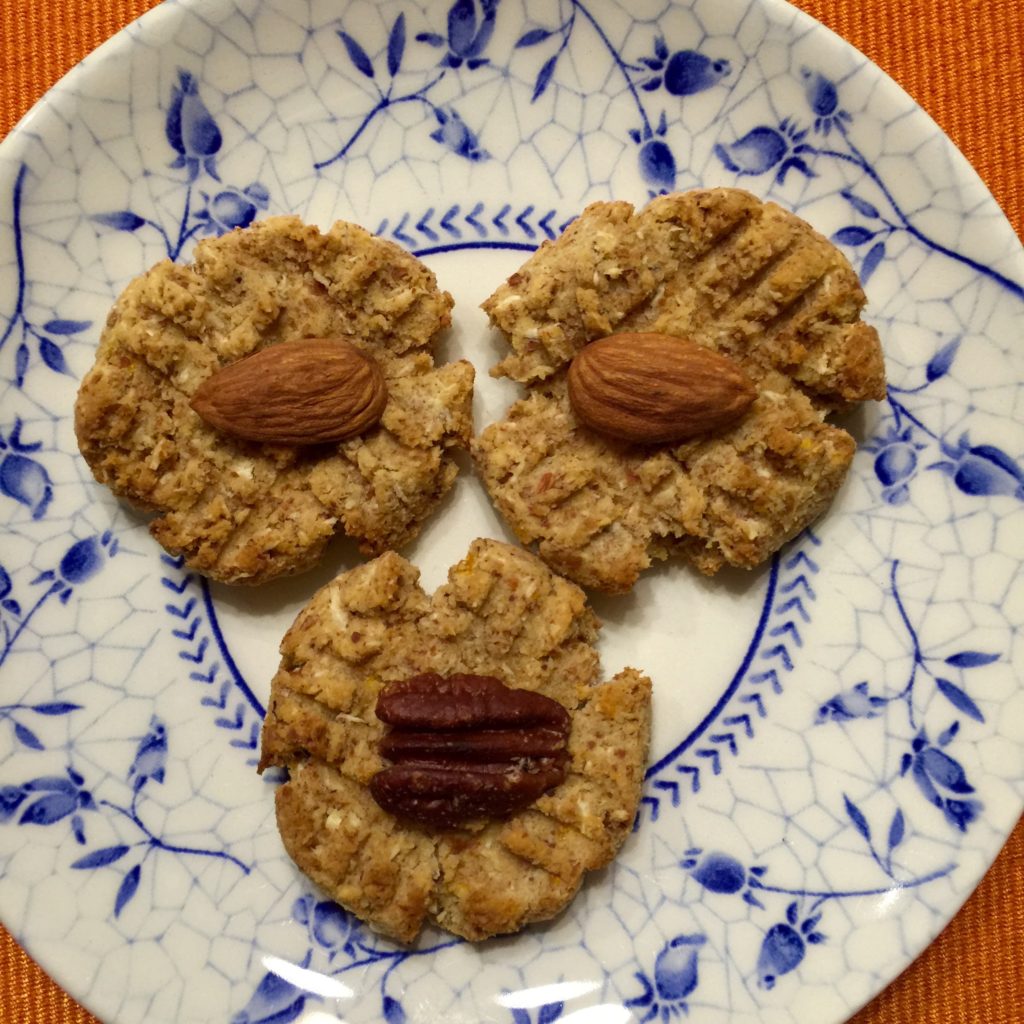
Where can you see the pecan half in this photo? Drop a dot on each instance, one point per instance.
(467, 747)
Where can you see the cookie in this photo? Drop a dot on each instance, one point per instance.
(243, 511)
(738, 275)
(502, 613)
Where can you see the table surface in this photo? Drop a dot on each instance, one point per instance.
(963, 61)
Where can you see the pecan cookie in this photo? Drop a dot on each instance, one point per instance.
(245, 511)
(567, 749)
(719, 267)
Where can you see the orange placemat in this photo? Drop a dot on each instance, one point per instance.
(963, 60)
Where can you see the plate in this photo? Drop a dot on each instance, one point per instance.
(838, 745)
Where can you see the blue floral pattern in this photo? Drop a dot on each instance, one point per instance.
(780, 149)
(193, 133)
(812, 777)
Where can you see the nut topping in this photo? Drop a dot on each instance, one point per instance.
(313, 391)
(467, 747)
(656, 388)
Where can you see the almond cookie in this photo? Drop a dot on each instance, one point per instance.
(719, 267)
(372, 640)
(246, 511)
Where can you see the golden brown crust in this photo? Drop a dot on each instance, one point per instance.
(502, 613)
(740, 276)
(244, 512)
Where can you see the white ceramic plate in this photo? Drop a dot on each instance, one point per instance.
(837, 754)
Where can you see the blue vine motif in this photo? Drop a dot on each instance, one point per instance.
(194, 135)
(470, 26)
(340, 944)
(939, 777)
(780, 149)
(80, 562)
(465, 42)
(675, 977)
(975, 470)
(43, 335)
(546, 1014)
(683, 73)
(769, 658)
(784, 944)
(22, 733)
(23, 478)
(51, 799)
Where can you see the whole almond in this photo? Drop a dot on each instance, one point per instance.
(655, 388)
(313, 391)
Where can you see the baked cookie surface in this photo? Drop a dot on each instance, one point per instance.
(501, 613)
(246, 512)
(738, 275)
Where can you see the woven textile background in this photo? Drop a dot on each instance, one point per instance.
(963, 61)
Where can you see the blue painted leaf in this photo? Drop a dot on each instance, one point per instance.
(48, 809)
(959, 699)
(792, 913)
(853, 236)
(396, 45)
(78, 829)
(871, 262)
(127, 889)
(275, 1001)
(947, 734)
(27, 737)
(533, 37)
(944, 770)
(810, 924)
(971, 659)
(816, 938)
(11, 605)
(905, 762)
(896, 830)
(52, 355)
(20, 364)
(860, 823)
(862, 206)
(549, 1013)
(52, 784)
(393, 1012)
(300, 909)
(924, 783)
(56, 708)
(461, 27)
(65, 326)
(940, 363)
(544, 78)
(357, 54)
(120, 220)
(100, 858)
(431, 38)
(520, 1017)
